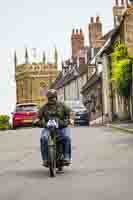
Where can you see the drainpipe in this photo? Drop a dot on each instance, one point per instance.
(64, 93)
(132, 91)
(102, 98)
(99, 71)
(109, 60)
(111, 88)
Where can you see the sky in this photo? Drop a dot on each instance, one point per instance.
(41, 24)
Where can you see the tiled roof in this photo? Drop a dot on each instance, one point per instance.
(114, 33)
(93, 79)
(109, 41)
(107, 35)
(64, 80)
(112, 37)
(55, 83)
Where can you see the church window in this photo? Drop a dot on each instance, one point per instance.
(43, 89)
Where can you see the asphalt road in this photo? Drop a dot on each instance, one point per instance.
(102, 167)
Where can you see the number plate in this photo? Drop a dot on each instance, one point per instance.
(77, 117)
(28, 120)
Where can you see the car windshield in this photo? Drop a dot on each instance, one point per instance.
(26, 108)
(78, 107)
(75, 105)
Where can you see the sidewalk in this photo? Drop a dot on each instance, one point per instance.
(96, 122)
(124, 126)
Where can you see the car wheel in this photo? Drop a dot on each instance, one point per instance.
(14, 127)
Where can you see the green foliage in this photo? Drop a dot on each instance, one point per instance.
(121, 70)
(120, 52)
(4, 122)
(4, 127)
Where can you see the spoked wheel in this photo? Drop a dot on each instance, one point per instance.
(52, 161)
(60, 157)
(52, 172)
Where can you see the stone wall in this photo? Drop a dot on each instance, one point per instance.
(29, 81)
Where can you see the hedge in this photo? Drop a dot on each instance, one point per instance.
(4, 122)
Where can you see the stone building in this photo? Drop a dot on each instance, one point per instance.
(77, 69)
(69, 86)
(93, 99)
(112, 105)
(33, 79)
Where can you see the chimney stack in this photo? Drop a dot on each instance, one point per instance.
(92, 19)
(77, 42)
(122, 2)
(73, 31)
(116, 3)
(77, 31)
(95, 32)
(127, 5)
(118, 10)
(97, 19)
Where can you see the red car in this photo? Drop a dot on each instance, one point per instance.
(24, 114)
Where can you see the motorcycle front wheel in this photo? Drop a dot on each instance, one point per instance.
(52, 161)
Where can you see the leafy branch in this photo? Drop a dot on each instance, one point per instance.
(121, 70)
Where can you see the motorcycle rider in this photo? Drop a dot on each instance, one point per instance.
(63, 114)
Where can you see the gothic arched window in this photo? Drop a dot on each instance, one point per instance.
(43, 89)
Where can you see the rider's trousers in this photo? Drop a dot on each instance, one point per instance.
(66, 139)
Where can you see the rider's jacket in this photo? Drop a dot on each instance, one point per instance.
(60, 110)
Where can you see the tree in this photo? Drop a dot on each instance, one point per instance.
(121, 70)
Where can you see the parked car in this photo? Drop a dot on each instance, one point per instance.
(80, 113)
(24, 114)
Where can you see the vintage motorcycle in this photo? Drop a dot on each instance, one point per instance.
(55, 148)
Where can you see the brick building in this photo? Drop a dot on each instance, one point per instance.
(112, 105)
(77, 42)
(80, 61)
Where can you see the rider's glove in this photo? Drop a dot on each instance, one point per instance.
(63, 123)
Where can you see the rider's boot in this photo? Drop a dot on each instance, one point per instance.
(67, 160)
(45, 163)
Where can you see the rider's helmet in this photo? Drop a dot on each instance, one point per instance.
(52, 94)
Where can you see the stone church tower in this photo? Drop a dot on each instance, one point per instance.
(33, 79)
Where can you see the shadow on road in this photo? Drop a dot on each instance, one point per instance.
(36, 173)
(32, 174)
